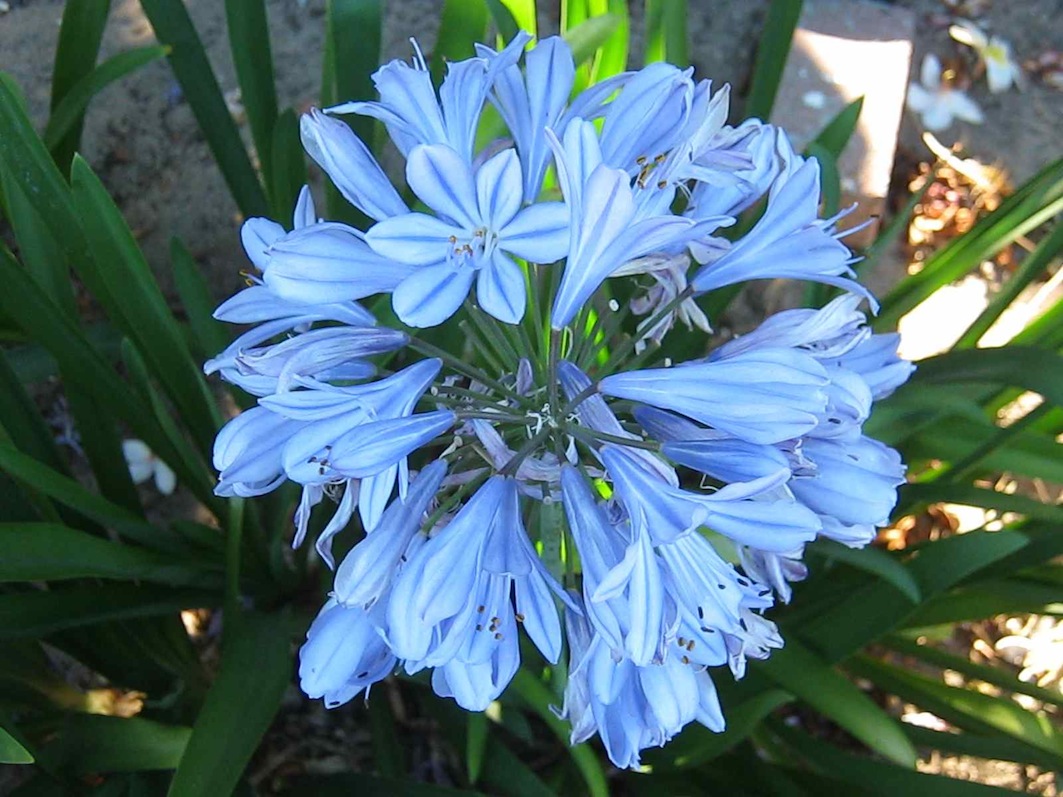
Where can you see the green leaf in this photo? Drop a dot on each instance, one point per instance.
(352, 53)
(89, 743)
(1034, 203)
(666, 32)
(461, 25)
(875, 561)
(984, 599)
(80, 33)
(800, 671)
(969, 495)
(836, 135)
(772, 50)
(844, 626)
(40, 612)
(122, 281)
(539, 698)
(366, 785)
(966, 708)
(612, 57)
(523, 14)
(11, 751)
(1020, 366)
(877, 777)
(388, 752)
(249, 45)
(289, 166)
(982, 672)
(48, 551)
(475, 745)
(588, 36)
(70, 493)
(255, 669)
(174, 28)
(996, 746)
(1033, 266)
(697, 745)
(505, 21)
(22, 422)
(68, 114)
(211, 335)
(27, 162)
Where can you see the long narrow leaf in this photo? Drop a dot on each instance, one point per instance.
(799, 671)
(249, 45)
(462, 24)
(89, 743)
(539, 698)
(37, 613)
(127, 288)
(71, 110)
(46, 551)
(772, 50)
(255, 670)
(174, 28)
(666, 32)
(80, 33)
(211, 336)
(12, 751)
(1032, 267)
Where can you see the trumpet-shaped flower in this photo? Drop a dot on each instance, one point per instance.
(479, 227)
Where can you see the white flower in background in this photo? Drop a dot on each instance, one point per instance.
(937, 103)
(143, 464)
(1001, 71)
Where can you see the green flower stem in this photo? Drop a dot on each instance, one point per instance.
(428, 350)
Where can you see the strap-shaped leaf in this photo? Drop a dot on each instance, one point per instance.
(804, 674)
(92, 743)
(540, 699)
(873, 560)
(12, 751)
(67, 115)
(774, 46)
(80, 33)
(173, 27)
(249, 45)
(965, 708)
(50, 552)
(462, 24)
(256, 666)
(39, 612)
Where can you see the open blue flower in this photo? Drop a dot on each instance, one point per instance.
(479, 229)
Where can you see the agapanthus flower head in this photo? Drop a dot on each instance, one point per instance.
(532, 462)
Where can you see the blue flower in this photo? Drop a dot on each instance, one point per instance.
(788, 241)
(753, 513)
(411, 112)
(479, 228)
(344, 654)
(623, 589)
(458, 598)
(350, 165)
(632, 707)
(764, 395)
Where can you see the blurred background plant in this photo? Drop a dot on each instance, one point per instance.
(148, 646)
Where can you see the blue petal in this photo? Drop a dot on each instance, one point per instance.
(433, 294)
(444, 182)
(539, 233)
(414, 238)
(500, 289)
(329, 262)
(350, 165)
(498, 189)
(258, 235)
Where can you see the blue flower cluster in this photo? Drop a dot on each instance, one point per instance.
(545, 476)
